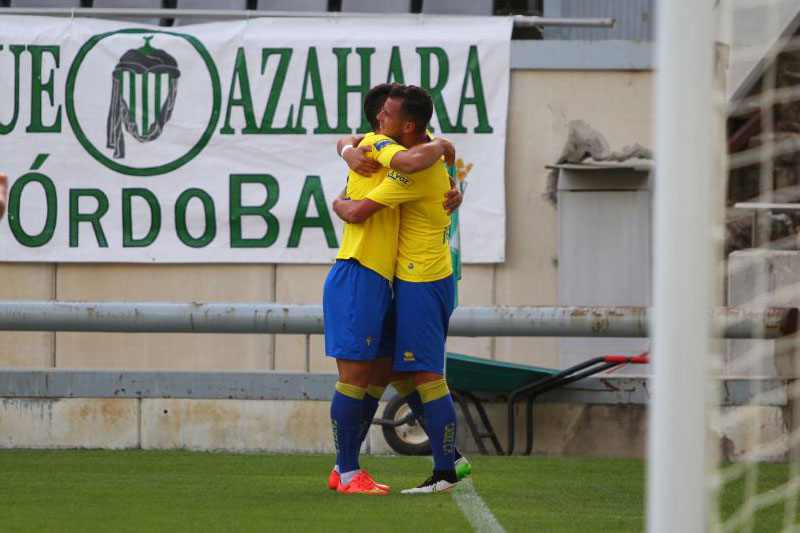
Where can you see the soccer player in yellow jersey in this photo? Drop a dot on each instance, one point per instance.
(424, 288)
(363, 162)
(357, 295)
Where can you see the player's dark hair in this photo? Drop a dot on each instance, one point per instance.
(416, 105)
(374, 100)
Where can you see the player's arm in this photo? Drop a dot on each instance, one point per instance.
(348, 140)
(3, 193)
(394, 190)
(423, 155)
(355, 211)
(355, 156)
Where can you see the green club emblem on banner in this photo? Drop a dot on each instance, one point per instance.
(151, 76)
(143, 104)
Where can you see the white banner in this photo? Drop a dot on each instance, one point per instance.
(216, 142)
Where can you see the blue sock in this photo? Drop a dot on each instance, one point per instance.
(440, 422)
(414, 402)
(406, 389)
(345, 417)
(369, 406)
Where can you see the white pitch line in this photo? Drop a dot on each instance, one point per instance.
(474, 509)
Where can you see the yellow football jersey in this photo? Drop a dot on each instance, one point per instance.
(373, 243)
(423, 252)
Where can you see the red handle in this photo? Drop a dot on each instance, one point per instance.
(622, 359)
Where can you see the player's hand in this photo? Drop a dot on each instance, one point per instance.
(358, 161)
(453, 199)
(449, 150)
(338, 203)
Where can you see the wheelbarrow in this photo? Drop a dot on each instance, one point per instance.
(468, 375)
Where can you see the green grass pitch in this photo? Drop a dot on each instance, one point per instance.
(92, 490)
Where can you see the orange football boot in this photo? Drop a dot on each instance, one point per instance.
(381, 486)
(362, 484)
(335, 479)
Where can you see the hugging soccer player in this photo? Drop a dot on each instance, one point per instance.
(424, 286)
(357, 295)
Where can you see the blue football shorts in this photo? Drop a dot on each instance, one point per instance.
(354, 303)
(386, 347)
(422, 317)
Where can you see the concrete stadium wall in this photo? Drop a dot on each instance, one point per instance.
(618, 430)
(542, 103)
(602, 416)
(284, 426)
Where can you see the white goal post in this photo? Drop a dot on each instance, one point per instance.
(684, 153)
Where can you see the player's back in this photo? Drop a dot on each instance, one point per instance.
(357, 185)
(373, 243)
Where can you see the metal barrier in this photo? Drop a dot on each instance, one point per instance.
(522, 21)
(478, 321)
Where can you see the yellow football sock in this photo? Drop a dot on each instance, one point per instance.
(351, 390)
(404, 387)
(375, 391)
(433, 390)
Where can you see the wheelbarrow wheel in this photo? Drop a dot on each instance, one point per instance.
(408, 438)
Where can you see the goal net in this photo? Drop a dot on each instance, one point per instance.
(727, 232)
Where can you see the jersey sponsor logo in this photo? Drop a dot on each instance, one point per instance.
(411, 266)
(408, 356)
(401, 179)
(383, 143)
